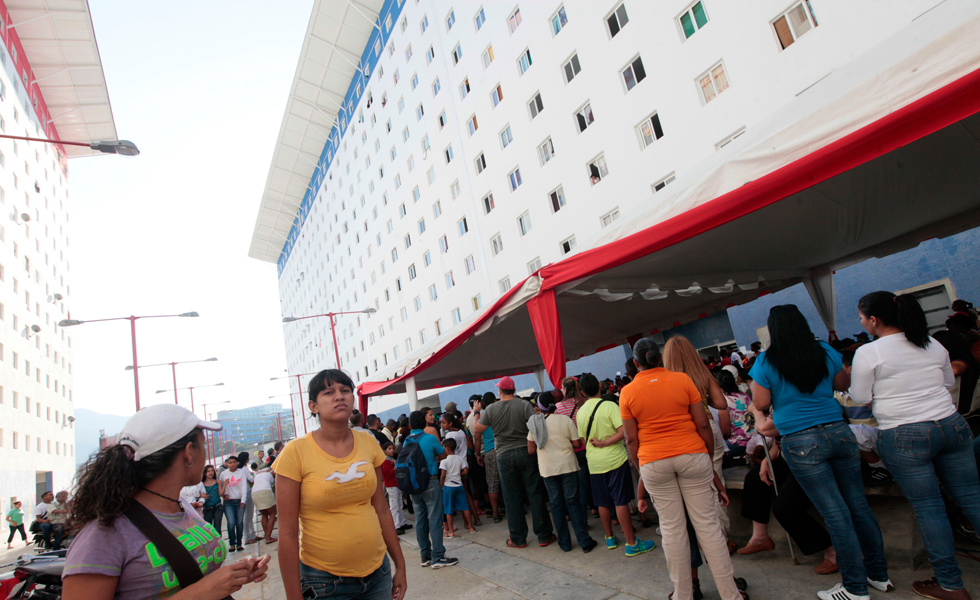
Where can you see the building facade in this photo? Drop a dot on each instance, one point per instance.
(38, 83)
(477, 143)
(257, 424)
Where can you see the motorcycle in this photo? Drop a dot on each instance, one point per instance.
(34, 577)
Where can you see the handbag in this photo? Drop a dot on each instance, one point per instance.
(35, 527)
(178, 557)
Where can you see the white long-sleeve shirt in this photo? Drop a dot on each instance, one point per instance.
(235, 484)
(902, 382)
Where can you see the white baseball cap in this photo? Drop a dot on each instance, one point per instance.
(155, 427)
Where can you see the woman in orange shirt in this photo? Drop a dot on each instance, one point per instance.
(668, 436)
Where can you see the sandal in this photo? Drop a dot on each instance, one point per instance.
(271, 540)
(511, 544)
(449, 535)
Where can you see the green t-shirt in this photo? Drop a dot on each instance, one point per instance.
(16, 515)
(607, 422)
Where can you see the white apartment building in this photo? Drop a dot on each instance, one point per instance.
(51, 86)
(473, 143)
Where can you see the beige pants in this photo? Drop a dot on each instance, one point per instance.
(716, 459)
(683, 482)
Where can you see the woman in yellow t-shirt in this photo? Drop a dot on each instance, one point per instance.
(329, 487)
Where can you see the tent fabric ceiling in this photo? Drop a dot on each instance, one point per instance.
(877, 169)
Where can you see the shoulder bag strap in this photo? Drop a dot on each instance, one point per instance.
(588, 430)
(178, 557)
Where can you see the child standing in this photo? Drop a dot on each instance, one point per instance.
(452, 468)
(391, 488)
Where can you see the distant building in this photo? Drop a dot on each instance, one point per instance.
(257, 424)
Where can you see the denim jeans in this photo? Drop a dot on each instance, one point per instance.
(920, 456)
(826, 463)
(213, 515)
(519, 474)
(47, 529)
(428, 521)
(584, 483)
(565, 500)
(319, 584)
(234, 513)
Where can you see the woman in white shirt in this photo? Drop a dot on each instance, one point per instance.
(904, 375)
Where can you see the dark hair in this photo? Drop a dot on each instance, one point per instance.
(204, 473)
(902, 311)
(371, 420)
(756, 346)
(727, 382)
(325, 379)
(386, 445)
(474, 399)
(548, 399)
(631, 369)
(646, 352)
(416, 420)
(451, 418)
(847, 357)
(234, 458)
(449, 443)
(356, 419)
(278, 446)
(109, 480)
(793, 351)
(589, 385)
(243, 458)
(255, 466)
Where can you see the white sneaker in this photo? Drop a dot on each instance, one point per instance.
(882, 586)
(839, 593)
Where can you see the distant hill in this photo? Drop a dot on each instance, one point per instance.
(88, 424)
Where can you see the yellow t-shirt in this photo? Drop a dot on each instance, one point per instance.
(339, 528)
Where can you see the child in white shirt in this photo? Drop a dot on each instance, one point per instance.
(451, 471)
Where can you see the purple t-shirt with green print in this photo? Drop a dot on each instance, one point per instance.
(123, 551)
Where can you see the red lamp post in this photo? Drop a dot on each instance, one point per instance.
(192, 388)
(132, 323)
(333, 324)
(173, 367)
(292, 410)
(299, 384)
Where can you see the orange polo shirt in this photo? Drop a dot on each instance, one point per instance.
(659, 401)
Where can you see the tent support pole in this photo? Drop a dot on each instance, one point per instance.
(540, 375)
(412, 393)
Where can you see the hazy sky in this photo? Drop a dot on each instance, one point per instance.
(201, 88)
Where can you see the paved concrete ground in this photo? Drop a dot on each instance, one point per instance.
(488, 569)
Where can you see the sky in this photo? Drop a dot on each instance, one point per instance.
(201, 88)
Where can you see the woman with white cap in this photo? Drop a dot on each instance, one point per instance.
(137, 538)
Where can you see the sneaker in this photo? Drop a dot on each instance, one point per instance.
(839, 593)
(426, 563)
(407, 526)
(612, 543)
(400, 530)
(931, 589)
(881, 586)
(878, 477)
(445, 561)
(640, 547)
(497, 518)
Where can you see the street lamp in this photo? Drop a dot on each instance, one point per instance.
(210, 444)
(292, 409)
(333, 323)
(192, 388)
(120, 147)
(173, 366)
(132, 322)
(299, 384)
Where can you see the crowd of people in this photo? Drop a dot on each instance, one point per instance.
(815, 421)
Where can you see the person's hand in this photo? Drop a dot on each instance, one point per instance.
(479, 459)
(258, 569)
(722, 497)
(642, 505)
(227, 498)
(227, 580)
(597, 443)
(243, 506)
(764, 473)
(398, 585)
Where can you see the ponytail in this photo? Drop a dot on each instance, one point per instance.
(903, 312)
(646, 353)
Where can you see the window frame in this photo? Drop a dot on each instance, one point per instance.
(631, 67)
(689, 11)
(579, 115)
(526, 54)
(560, 13)
(542, 148)
(655, 128)
(516, 17)
(602, 176)
(619, 25)
(568, 62)
(557, 197)
(710, 73)
(524, 224)
(810, 19)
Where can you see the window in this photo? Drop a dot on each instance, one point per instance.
(419, 112)
(464, 88)
(557, 198)
(415, 80)
(524, 223)
(455, 190)
(650, 130)
(411, 272)
(584, 117)
(568, 245)
(449, 153)
(427, 258)
(437, 209)
(425, 143)
(488, 205)
(401, 105)
(497, 95)
(457, 54)
(470, 264)
(693, 19)
(394, 255)
(442, 120)
(438, 326)
(634, 73)
(457, 316)
(472, 125)
(444, 244)
(463, 226)
(559, 20)
(480, 19)
(609, 217)
(597, 169)
(422, 337)
(408, 345)
(496, 244)
(431, 175)
(793, 23)
(395, 76)
(729, 139)
(546, 151)
(477, 302)
(450, 20)
(571, 68)
(433, 294)
(488, 56)
(417, 303)
(404, 24)
(617, 20)
(524, 62)
(504, 285)
(712, 83)
(450, 281)
(436, 86)
(401, 213)
(514, 20)
(421, 226)
(535, 106)
(515, 179)
(424, 24)
(533, 266)
(430, 55)
(416, 194)
(481, 163)
(408, 53)
(659, 185)
(506, 137)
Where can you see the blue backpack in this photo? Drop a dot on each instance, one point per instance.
(411, 470)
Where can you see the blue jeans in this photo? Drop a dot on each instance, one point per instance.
(59, 531)
(519, 476)
(428, 522)
(319, 584)
(826, 463)
(563, 492)
(213, 515)
(920, 456)
(234, 513)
